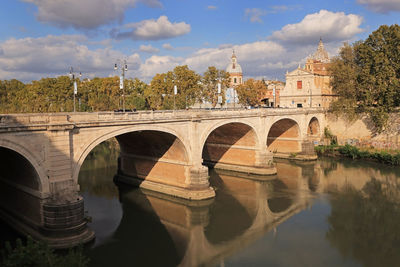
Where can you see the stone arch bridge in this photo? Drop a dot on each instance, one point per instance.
(166, 151)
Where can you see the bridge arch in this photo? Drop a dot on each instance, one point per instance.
(284, 136)
(314, 129)
(41, 178)
(91, 144)
(208, 130)
(230, 143)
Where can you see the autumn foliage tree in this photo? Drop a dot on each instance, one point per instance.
(160, 94)
(251, 92)
(209, 85)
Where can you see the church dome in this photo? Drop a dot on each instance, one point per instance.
(321, 54)
(234, 67)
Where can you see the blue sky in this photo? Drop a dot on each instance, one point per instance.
(43, 38)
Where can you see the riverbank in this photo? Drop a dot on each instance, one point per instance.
(390, 157)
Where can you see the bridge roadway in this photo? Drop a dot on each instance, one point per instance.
(166, 151)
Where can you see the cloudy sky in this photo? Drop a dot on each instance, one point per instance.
(43, 38)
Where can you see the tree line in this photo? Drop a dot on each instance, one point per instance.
(104, 94)
(366, 76)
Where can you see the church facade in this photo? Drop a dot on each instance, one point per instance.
(309, 86)
(236, 78)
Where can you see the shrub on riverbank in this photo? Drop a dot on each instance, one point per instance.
(391, 158)
(39, 254)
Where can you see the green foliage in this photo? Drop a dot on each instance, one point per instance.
(328, 134)
(349, 151)
(160, 94)
(366, 76)
(380, 156)
(209, 82)
(39, 254)
(56, 95)
(325, 150)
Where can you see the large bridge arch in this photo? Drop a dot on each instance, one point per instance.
(284, 136)
(89, 145)
(43, 189)
(230, 143)
(211, 128)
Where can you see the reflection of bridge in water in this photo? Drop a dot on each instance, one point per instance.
(187, 233)
(160, 151)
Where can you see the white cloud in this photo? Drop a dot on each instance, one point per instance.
(34, 58)
(250, 56)
(148, 49)
(153, 29)
(328, 25)
(381, 6)
(283, 8)
(158, 64)
(212, 7)
(255, 14)
(87, 14)
(168, 47)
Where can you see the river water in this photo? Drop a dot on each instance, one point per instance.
(324, 213)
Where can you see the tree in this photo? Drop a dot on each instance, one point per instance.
(135, 90)
(251, 92)
(209, 88)
(366, 76)
(344, 71)
(160, 94)
(379, 60)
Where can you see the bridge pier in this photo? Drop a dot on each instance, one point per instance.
(262, 164)
(194, 187)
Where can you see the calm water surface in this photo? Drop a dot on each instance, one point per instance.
(324, 213)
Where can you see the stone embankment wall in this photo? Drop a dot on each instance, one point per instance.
(361, 131)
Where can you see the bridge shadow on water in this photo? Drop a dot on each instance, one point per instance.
(158, 230)
(141, 239)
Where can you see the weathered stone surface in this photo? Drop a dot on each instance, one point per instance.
(160, 151)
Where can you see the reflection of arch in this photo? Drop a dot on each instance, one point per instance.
(228, 211)
(93, 143)
(139, 222)
(42, 179)
(284, 136)
(313, 128)
(279, 200)
(231, 143)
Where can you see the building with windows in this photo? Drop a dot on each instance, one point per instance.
(272, 95)
(235, 71)
(309, 86)
(236, 78)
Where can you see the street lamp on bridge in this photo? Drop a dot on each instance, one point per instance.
(123, 67)
(72, 77)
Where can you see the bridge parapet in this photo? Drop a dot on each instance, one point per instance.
(30, 119)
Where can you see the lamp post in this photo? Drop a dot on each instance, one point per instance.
(72, 76)
(219, 97)
(175, 92)
(123, 67)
